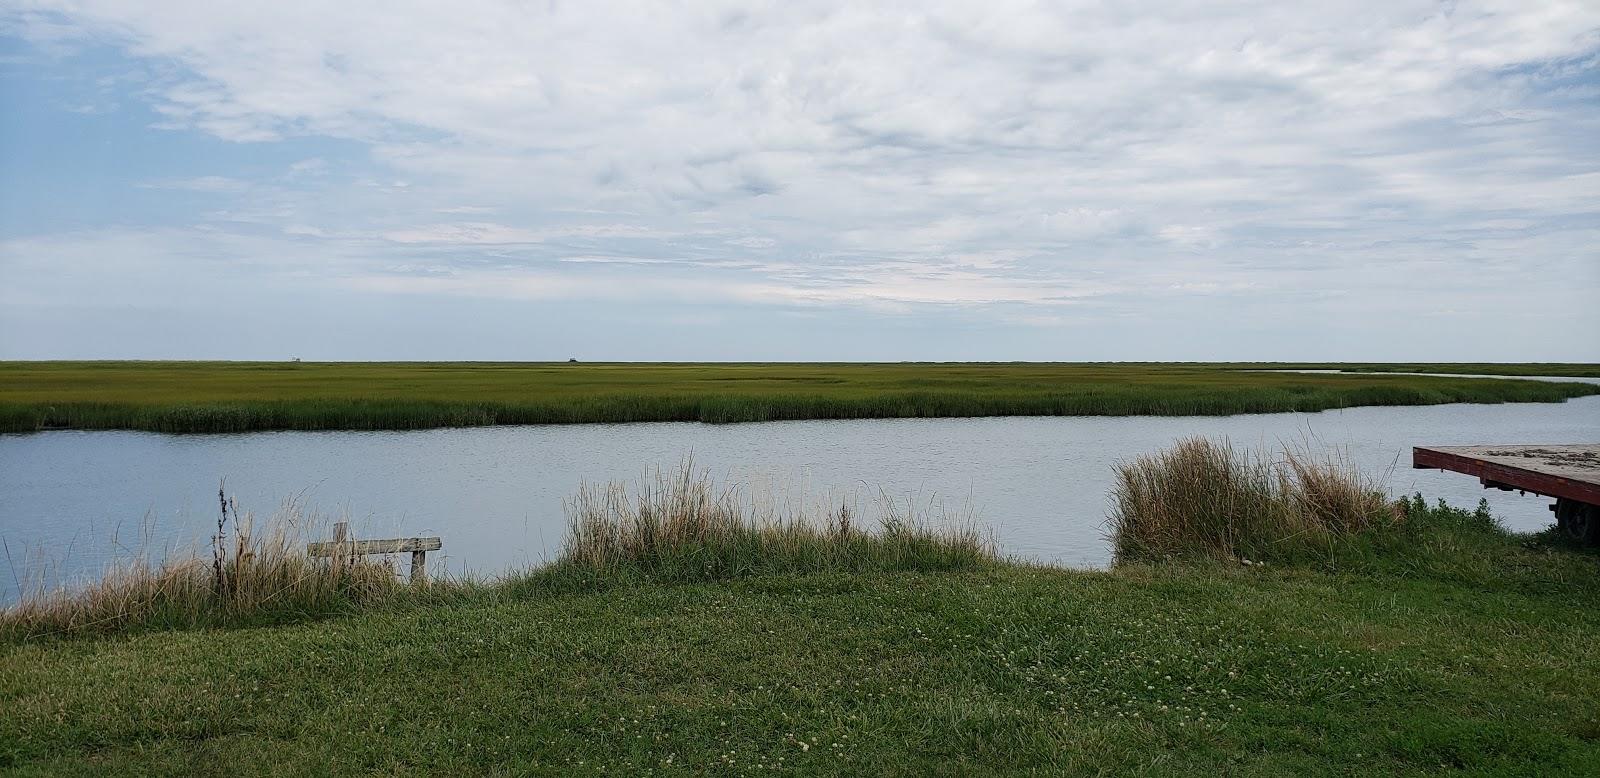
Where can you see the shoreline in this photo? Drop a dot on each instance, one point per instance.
(682, 631)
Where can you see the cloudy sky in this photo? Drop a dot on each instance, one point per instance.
(792, 180)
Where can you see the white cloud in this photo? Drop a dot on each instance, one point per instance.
(212, 184)
(313, 166)
(490, 233)
(906, 154)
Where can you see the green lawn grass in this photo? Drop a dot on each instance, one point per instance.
(240, 396)
(1458, 647)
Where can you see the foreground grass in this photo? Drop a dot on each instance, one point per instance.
(241, 396)
(1176, 671)
(1465, 649)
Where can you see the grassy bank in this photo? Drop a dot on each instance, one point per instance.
(685, 630)
(670, 528)
(241, 396)
(1475, 652)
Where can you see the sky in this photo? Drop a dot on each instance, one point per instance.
(496, 180)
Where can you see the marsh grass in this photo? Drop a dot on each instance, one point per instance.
(1565, 369)
(683, 526)
(250, 575)
(1205, 498)
(191, 397)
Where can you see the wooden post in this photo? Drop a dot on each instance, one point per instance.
(419, 568)
(341, 531)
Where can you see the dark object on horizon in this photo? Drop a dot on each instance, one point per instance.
(572, 359)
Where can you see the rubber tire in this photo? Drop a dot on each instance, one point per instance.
(1578, 522)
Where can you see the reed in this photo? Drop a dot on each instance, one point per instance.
(249, 576)
(682, 526)
(1204, 498)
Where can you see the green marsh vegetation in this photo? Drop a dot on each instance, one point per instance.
(1565, 369)
(682, 631)
(243, 396)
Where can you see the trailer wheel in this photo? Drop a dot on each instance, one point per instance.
(1578, 522)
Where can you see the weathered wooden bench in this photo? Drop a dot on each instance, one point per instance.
(344, 548)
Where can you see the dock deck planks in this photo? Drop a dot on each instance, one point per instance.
(1571, 471)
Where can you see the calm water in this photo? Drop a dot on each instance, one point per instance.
(495, 493)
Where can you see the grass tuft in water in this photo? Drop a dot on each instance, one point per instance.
(1204, 498)
(684, 527)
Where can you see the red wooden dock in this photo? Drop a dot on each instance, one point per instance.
(1569, 473)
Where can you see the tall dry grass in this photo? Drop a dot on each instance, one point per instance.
(683, 526)
(249, 574)
(1204, 498)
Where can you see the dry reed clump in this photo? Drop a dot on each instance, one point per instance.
(684, 527)
(251, 575)
(1204, 498)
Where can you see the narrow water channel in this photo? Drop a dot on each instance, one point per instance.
(72, 501)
